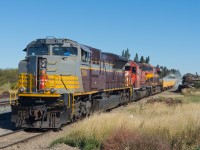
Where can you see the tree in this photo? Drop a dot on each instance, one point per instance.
(142, 59)
(164, 71)
(147, 60)
(136, 59)
(125, 53)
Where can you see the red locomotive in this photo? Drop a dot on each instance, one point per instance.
(143, 78)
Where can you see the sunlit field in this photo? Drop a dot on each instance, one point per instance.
(145, 126)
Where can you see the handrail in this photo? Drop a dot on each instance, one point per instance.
(63, 83)
(15, 96)
(28, 81)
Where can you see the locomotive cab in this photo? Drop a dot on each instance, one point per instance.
(132, 74)
(49, 75)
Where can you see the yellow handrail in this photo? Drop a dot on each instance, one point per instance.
(13, 98)
(28, 82)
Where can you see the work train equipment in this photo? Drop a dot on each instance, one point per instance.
(61, 81)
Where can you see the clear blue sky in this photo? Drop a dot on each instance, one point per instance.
(166, 30)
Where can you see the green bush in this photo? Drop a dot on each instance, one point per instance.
(8, 76)
(197, 84)
(76, 141)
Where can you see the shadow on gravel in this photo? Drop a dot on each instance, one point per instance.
(176, 91)
(5, 121)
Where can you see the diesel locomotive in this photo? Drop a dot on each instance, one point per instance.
(61, 80)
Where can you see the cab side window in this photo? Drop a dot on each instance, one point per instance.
(85, 56)
(133, 70)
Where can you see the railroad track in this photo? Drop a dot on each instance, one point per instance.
(18, 136)
(4, 103)
(4, 96)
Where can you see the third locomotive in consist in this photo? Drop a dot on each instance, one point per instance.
(61, 81)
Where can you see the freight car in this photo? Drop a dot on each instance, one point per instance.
(168, 83)
(61, 81)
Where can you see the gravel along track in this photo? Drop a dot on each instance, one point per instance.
(5, 115)
(4, 96)
(4, 104)
(16, 137)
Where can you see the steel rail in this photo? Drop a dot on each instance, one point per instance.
(18, 139)
(11, 133)
(4, 103)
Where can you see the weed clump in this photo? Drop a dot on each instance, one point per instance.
(75, 140)
(131, 140)
(168, 101)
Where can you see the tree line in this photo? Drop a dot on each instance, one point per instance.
(164, 70)
(126, 54)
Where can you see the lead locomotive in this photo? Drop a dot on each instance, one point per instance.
(61, 80)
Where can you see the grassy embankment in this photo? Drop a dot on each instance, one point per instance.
(8, 79)
(192, 95)
(142, 126)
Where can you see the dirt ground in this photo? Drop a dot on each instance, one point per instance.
(43, 142)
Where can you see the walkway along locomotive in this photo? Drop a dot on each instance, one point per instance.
(61, 81)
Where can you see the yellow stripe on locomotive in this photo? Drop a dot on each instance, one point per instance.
(27, 81)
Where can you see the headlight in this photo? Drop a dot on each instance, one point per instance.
(21, 90)
(52, 90)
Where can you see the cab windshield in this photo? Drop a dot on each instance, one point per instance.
(127, 68)
(65, 51)
(42, 50)
(147, 68)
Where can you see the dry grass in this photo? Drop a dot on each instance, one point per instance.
(191, 92)
(5, 87)
(178, 124)
(146, 117)
(191, 95)
(123, 139)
